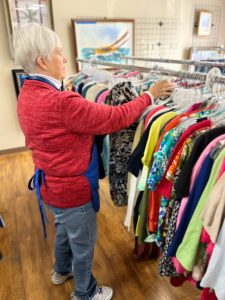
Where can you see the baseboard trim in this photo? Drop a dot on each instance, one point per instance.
(13, 150)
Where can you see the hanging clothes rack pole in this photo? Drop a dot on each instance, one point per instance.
(168, 72)
(175, 61)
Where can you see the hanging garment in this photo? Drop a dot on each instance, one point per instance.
(94, 90)
(132, 181)
(165, 186)
(134, 161)
(102, 97)
(150, 146)
(213, 213)
(196, 171)
(120, 146)
(215, 274)
(188, 249)
(197, 168)
(194, 197)
(166, 266)
(182, 184)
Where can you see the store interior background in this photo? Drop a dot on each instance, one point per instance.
(176, 36)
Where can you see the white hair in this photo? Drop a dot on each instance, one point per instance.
(33, 41)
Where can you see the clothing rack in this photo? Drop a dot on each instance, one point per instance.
(176, 61)
(167, 72)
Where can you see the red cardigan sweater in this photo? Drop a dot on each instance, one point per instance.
(59, 128)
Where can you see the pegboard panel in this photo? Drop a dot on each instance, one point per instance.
(212, 39)
(157, 38)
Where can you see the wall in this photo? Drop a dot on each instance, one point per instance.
(63, 11)
(74, 9)
(10, 134)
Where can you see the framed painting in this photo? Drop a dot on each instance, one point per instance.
(20, 13)
(19, 75)
(204, 23)
(104, 39)
(205, 53)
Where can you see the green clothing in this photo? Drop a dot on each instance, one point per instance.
(188, 249)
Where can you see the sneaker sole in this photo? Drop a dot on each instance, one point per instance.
(55, 282)
(110, 296)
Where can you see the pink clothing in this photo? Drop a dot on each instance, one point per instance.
(151, 114)
(195, 106)
(202, 157)
(102, 97)
(205, 238)
(133, 73)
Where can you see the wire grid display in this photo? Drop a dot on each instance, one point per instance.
(212, 39)
(157, 38)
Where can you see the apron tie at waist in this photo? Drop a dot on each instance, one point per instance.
(34, 183)
(91, 174)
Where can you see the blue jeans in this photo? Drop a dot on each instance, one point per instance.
(76, 231)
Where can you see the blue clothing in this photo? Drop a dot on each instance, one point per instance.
(92, 175)
(76, 231)
(194, 197)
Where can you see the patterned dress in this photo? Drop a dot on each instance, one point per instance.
(120, 145)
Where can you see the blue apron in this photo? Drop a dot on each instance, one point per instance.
(92, 175)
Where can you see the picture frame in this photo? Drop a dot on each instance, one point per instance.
(205, 53)
(104, 39)
(204, 23)
(19, 75)
(20, 13)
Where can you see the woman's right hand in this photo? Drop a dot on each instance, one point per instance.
(162, 88)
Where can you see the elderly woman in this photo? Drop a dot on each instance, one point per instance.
(59, 128)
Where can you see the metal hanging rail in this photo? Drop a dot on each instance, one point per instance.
(176, 61)
(168, 72)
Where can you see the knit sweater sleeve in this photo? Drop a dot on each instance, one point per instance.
(82, 116)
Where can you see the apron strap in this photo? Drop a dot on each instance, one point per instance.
(92, 176)
(34, 183)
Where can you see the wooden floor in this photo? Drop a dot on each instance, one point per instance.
(28, 259)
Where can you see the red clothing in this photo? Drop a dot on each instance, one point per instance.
(59, 128)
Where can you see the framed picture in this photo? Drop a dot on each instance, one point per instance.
(204, 23)
(20, 13)
(19, 75)
(105, 39)
(205, 53)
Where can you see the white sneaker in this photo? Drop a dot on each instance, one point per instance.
(59, 279)
(73, 297)
(105, 293)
